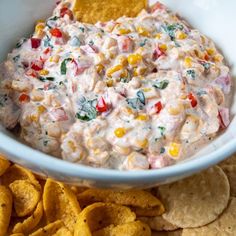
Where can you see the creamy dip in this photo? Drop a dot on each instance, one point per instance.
(135, 93)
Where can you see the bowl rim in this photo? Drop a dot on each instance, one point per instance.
(22, 154)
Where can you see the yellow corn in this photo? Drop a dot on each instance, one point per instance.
(113, 69)
(120, 132)
(146, 90)
(188, 62)
(40, 21)
(181, 35)
(97, 151)
(158, 36)
(41, 109)
(54, 58)
(43, 72)
(124, 31)
(174, 111)
(174, 149)
(142, 117)
(71, 145)
(99, 68)
(142, 143)
(109, 83)
(139, 71)
(34, 117)
(39, 27)
(218, 58)
(210, 51)
(134, 59)
(142, 31)
(123, 61)
(163, 47)
(124, 74)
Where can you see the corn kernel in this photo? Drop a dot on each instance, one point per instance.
(142, 117)
(134, 59)
(218, 58)
(113, 69)
(188, 62)
(99, 68)
(54, 58)
(97, 151)
(123, 61)
(139, 71)
(41, 109)
(124, 74)
(120, 132)
(210, 51)
(158, 36)
(40, 21)
(174, 111)
(181, 35)
(146, 90)
(34, 117)
(142, 31)
(71, 145)
(174, 149)
(43, 72)
(142, 143)
(124, 31)
(109, 83)
(163, 47)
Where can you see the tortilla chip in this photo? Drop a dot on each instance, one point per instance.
(31, 222)
(4, 164)
(49, 229)
(135, 198)
(158, 223)
(230, 171)
(92, 11)
(168, 233)
(60, 203)
(17, 234)
(63, 231)
(100, 215)
(25, 197)
(5, 209)
(197, 200)
(224, 225)
(231, 160)
(136, 228)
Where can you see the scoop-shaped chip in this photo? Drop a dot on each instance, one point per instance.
(17, 234)
(168, 233)
(100, 215)
(16, 172)
(134, 198)
(31, 222)
(136, 228)
(60, 203)
(197, 200)
(92, 11)
(158, 223)
(225, 225)
(63, 231)
(4, 164)
(149, 212)
(230, 171)
(5, 209)
(25, 197)
(49, 229)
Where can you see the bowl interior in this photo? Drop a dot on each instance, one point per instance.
(207, 15)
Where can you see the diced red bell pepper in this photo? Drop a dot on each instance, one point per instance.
(56, 33)
(47, 50)
(35, 43)
(31, 73)
(158, 53)
(157, 6)
(24, 98)
(37, 65)
(65, 11)
(158, 106)
(101, 105)
(192, 99)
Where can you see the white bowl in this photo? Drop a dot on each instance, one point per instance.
(213, 17)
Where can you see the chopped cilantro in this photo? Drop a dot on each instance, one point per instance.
(21, 42)
(87, 109)
(162, 130)
(63, 66)
(43, 79)
(191, 74)
(142, 44)
(161, 84)
(162, 150)
(137, 103)
(16, 58)
(82, 29)
(171, 28)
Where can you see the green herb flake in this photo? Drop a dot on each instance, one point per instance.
(21, 42)
(142, 44)
(191, 74)
(43, 79)
(16, 58)
(82, 29)
(137, 103)
(162, 150)
(162, 130)
(87, 109)
(63, 66)
(161, 84)
(171, 28)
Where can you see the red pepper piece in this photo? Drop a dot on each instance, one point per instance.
(192, 99)
(101, 105)
(35, 43)
(158, 106)
(65, 11)
(31, 73)
(56, 33)
(158, 52)
(37, 65)
(24, 98)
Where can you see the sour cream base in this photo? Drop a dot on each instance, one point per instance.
(135, 93)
